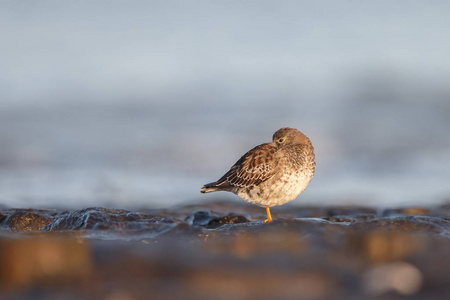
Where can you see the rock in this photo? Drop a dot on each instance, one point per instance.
(340, 219)
(27, 221)
(424, 224)
(305, 253)
(98, 218)
(230, 219)
(210, 220)
(201, 218)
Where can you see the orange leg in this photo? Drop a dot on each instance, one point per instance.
(269, 217)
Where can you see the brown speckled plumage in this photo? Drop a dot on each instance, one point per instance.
(273, 173)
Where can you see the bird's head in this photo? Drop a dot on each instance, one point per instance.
(289, 136)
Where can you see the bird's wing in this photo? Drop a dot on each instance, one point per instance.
(254, 167)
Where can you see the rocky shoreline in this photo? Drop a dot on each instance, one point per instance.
(224, 250)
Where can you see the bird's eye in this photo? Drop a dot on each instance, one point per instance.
(280, 140)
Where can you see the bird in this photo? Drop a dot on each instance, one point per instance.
(271, 174)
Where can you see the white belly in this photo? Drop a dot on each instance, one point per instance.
(277, 191)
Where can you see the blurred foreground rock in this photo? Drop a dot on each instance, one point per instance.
(225, 251)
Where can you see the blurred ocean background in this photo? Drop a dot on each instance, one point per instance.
(135, 104)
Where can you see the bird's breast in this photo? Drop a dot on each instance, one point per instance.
(278, 190)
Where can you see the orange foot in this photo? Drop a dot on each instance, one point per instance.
(269, 217)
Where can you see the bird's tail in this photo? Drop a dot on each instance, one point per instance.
(209, 187)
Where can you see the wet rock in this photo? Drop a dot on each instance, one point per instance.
(305, 253)
(201, 218)
(340, 219)
(422, 224)
(27, 221)
(231, 219)
(97, 218)
(211, 220)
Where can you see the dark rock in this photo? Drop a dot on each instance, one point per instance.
(340, 219)
(97, 218)
(27, 221)
(214, 223)
(2, 217)
(210, 220)
(313, 253)
(422, 224)
(201, 218)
